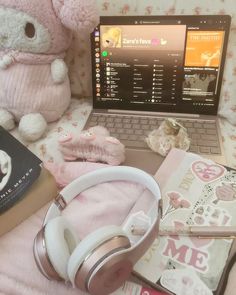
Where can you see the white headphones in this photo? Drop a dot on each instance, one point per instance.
(103, 260)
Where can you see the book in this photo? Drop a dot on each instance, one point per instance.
(195, 192)
(25, 185)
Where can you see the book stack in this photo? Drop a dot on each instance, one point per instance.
(25, 185)
(196, 192)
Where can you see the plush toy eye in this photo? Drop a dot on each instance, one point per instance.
(29, 30)
(87, 135)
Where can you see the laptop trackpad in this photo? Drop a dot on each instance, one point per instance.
(143, 159)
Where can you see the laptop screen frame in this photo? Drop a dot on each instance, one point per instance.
(129, 20)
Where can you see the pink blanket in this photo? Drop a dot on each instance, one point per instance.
(107, 203)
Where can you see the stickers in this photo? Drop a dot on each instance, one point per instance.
(130, 288)
(184, 282)
(207, 172)
(210, 216)
(175, 201)
(226, 191)
(197, 243)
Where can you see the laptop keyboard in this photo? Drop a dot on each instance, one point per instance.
(132, 131)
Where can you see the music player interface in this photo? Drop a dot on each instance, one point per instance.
(202, 63)
(163, 64)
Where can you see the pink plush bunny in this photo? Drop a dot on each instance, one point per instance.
(34, 83)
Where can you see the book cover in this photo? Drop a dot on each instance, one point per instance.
(25, 185)
(195, 191)
(19, 168)
(42, 191)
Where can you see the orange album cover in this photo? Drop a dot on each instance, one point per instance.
(204, 48)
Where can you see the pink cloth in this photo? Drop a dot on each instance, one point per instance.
(93, 145)
(104, 204)
(32, 58)
(27, 77)
(34, 92)
(65, 172)
(18, 272)
(59, 17)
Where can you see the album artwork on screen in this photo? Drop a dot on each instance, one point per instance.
(19, 168)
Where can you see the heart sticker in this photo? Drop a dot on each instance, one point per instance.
(184, 282)
(198, 243)
(225, 192)
(207, 172)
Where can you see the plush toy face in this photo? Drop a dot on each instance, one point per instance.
(20, 31)
(45, 26)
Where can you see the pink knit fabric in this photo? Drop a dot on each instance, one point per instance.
(30, 81)
(33, 91)
(27, 58)
(94, 145)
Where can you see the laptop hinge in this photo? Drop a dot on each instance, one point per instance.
(153, 113)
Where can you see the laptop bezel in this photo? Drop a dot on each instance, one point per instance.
(122, 20)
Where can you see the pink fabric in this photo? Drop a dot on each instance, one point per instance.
(76, 14)
(94, 145)
(32, 58)
(59, 17)
(65, 172)
(104, 204)
(18, 272)
(34, 91)
(26, 79)
(44, 12)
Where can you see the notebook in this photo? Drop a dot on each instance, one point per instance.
(196, 192)
(147, 68)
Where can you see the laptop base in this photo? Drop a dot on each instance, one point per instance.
(143, 159)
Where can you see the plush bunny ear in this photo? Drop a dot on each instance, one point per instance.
(77, 14)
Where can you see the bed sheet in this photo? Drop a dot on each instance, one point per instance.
(18, 273)
(74, 119)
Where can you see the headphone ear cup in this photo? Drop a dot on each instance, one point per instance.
(60, 240)
(88, 246)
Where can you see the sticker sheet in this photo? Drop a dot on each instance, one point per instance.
(195, 192)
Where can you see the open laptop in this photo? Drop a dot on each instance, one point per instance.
(148, 68)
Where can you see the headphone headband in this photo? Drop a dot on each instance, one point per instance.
(104, 259)
(117, 173)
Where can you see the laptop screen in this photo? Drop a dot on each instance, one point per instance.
(159, 63)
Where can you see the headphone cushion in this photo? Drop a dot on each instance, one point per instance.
(61, 239)
(88, 244)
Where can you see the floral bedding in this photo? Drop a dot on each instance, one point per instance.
(74, 120)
